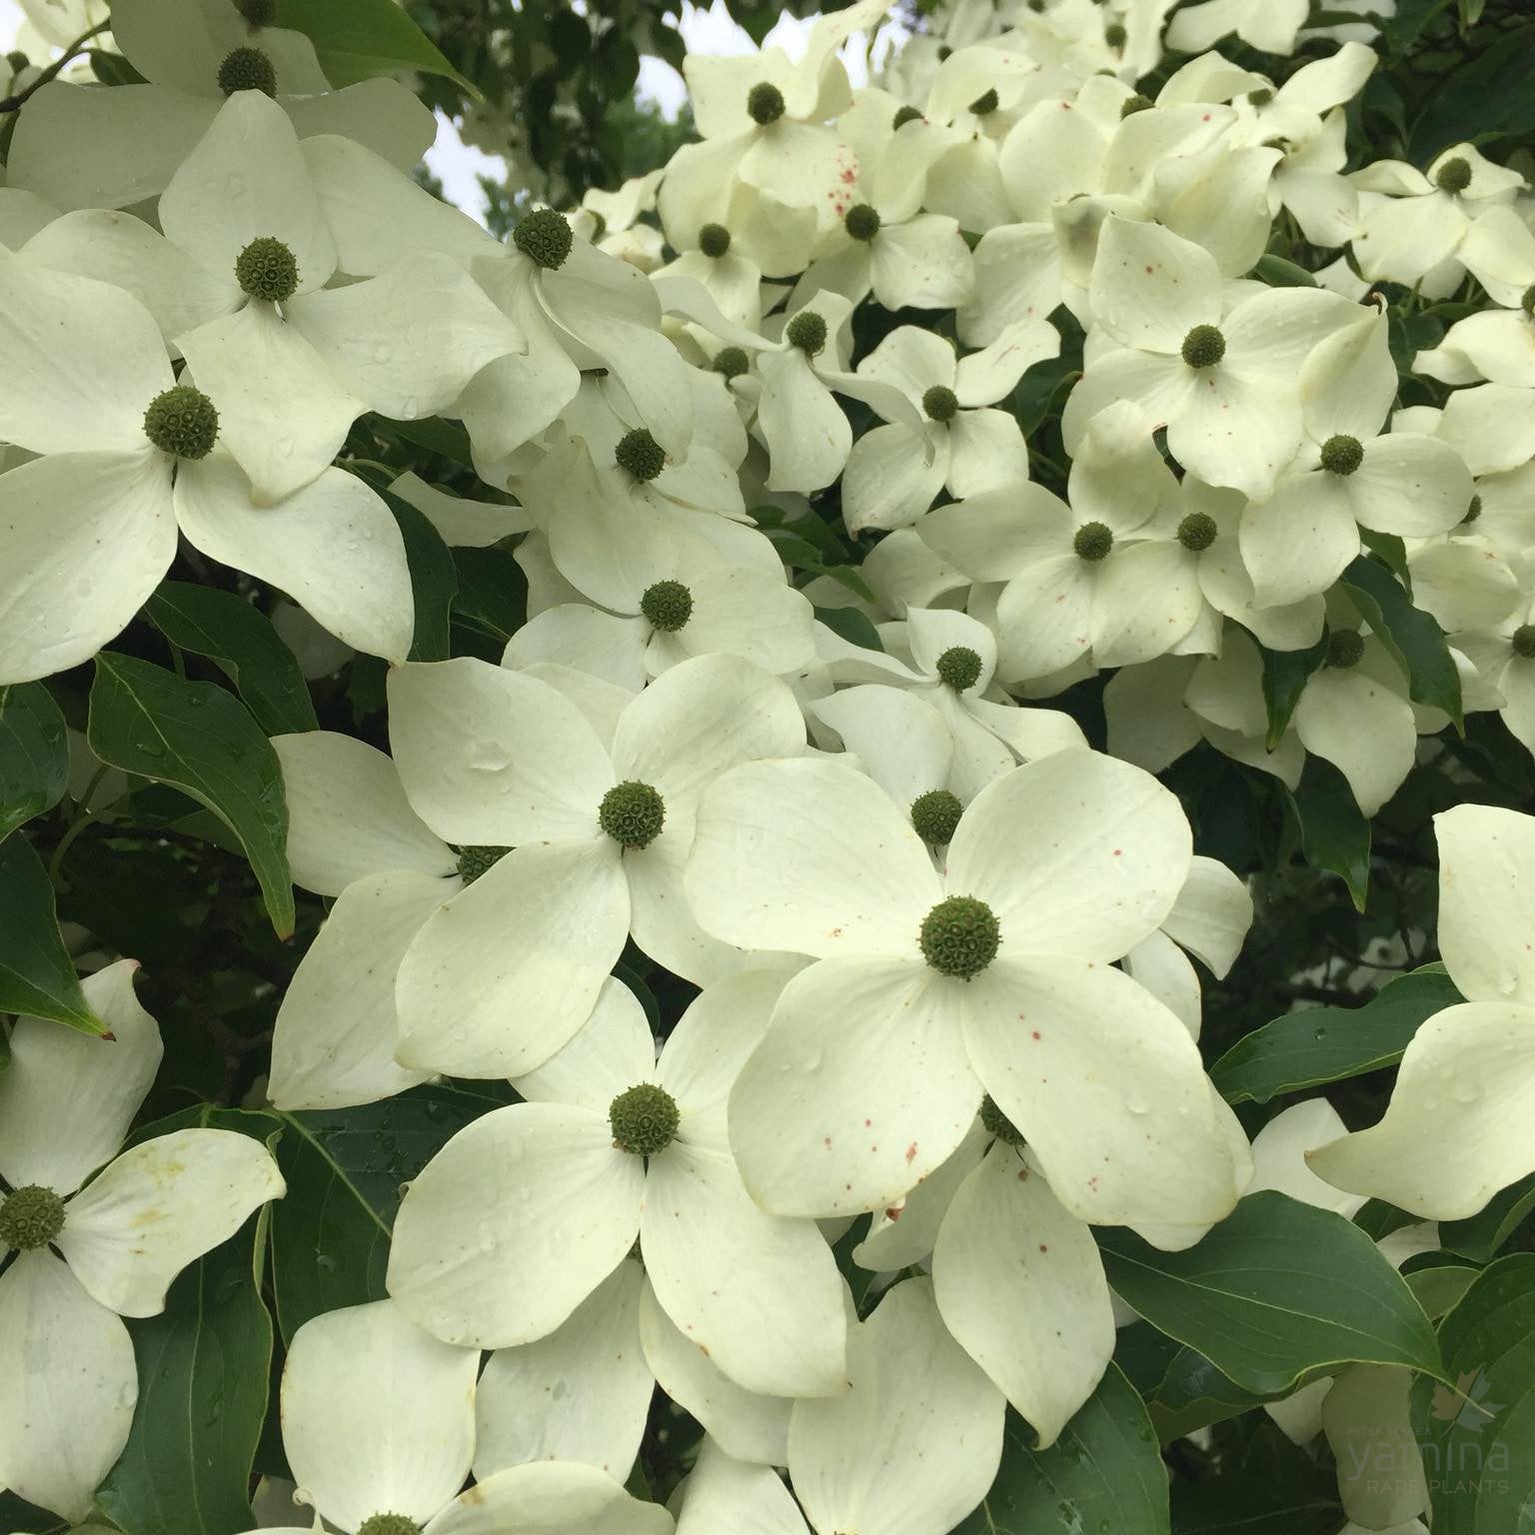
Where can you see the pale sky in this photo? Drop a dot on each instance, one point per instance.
(457, 165)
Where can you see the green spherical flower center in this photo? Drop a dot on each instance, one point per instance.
(545, 237)
(640, 454)
(259, 13)
(714, 240)
(940, 403)
(1115, 35)
(1133, 104)
(861, 221)
(247, 69)
(764, 103)
(1345, 648)
(935, 816)
(667, 606)
(996, 1123)
(182, 422)
(1523, 641)
(903, 116)
(30, 1218)
(474, 861)
(732, 361)
(807, 331)
(1204, 346)
(984, 104)
(1093, 541)
(959, 667)
(1454, 175)
(267, 269)
(644, 1120)
(632, 814)
(1527, 303)
(1474, 510)
(1197, 531)
(960, 937)
(1342, 454)
(389, 1524)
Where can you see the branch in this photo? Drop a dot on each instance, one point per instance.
(70, 54)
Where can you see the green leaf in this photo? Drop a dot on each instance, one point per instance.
(37, 975)
(202, 740)
(359, 39)
(1328, 1044)
(1480, 1236)
(1440, 1286)
(1183, 1391)
(1284, 679)
(1335, 834)
(433, 579)
(1414, 639)
(852, 625)
(246, 647)
(1278, 1289)
(345, 1168)
(203, 1373)
(1104, 1473)
(446, 438)
(1279, 273)
(1478, 1438)
(492, 591)
(34, 754)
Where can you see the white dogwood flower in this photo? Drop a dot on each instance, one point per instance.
(995, 977)
(507, 970)
(894, 472)
(638, 1147)
(129, 456)
(378, 1421)
(84, 1257)
(1222, 381)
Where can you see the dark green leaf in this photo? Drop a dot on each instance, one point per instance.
(492, 591)
(433, 579)
(1277, 1490)
(113, 68)
(1478, 1437)
(247, 648)
(345, 1168)
(1415, 641)
(34, 754)
(358, 39)
(1182, 1389)
(203, 1369)
(1480, 1236)
(1485, 98)
(1104, 1473)
(202, 740)
(36, 973)
(1334, 833)
(852, 625)
(1284, 679)
(1327, 1044)
(446, 438)
(1278, 1289)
